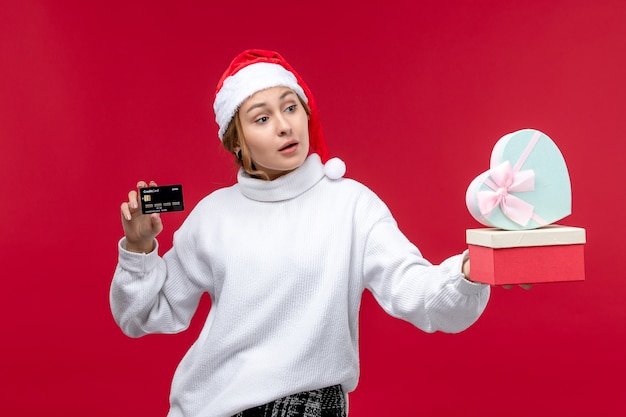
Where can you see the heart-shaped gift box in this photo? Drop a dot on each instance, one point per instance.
(526, 187)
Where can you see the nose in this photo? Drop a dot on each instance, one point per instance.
(283, 126)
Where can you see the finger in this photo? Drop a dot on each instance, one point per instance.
(157, 224)
(153, 184)
(135, 201)
(125, 211)
(526, 286)
(155, 218)
(507, 287)
(132, 199)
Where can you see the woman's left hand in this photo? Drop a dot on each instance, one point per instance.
(466, 274)
(524, 286)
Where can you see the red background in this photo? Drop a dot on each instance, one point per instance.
(413, 95)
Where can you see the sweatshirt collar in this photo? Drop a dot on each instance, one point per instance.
(285, 187)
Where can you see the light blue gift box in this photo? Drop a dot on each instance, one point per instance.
(526, 187)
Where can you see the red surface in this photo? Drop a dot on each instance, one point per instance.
(527, 265)
(412, 94)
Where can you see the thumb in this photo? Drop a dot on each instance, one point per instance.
(157, 224)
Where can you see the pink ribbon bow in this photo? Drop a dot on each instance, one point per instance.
(505, 180)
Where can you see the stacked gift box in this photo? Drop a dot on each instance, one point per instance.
(520, 198)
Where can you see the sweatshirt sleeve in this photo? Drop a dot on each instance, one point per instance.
(407, 286)
(152, 294)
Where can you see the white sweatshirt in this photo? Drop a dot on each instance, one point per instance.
(285, 263)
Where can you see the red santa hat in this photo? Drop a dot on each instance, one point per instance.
(255, 70)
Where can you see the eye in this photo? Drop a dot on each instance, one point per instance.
(291, 108)
(261, 120)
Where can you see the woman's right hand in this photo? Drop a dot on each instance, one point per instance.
(140, 229)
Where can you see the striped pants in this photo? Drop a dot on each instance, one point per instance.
(325, 402)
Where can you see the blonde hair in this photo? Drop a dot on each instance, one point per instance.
(233, 138)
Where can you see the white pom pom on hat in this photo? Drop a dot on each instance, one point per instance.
(258, 69)
(334, 168)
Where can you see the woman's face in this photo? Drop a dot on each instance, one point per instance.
(276, 130)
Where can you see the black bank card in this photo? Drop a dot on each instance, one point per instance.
(161, 199)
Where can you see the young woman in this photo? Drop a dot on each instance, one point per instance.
(285, 255)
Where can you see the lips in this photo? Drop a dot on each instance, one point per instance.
(289, 146)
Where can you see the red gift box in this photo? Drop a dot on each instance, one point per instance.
(549, 254)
